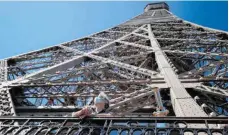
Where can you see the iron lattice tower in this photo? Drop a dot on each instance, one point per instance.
(129, 62)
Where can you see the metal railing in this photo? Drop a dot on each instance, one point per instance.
(112, 126)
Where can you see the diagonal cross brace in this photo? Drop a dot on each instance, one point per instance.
(113, 62)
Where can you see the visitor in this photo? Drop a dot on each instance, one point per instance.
(101, 104)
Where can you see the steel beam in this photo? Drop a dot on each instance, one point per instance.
(183, 104)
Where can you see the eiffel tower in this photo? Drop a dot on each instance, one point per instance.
(163, 75)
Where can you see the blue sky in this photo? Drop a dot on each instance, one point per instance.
(28, 26)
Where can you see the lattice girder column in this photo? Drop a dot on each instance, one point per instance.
(183, 103)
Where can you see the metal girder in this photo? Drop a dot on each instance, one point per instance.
(20, 66)
(93, 82)
(59, 67)
(183, 104)
(203, 68)
(188, 39)
(144, 109)
(6, 104)
(155, 81)
(195, 53)
(119, 39)
(3, 71)
(212, 90)
(65, 114)
(131, 99)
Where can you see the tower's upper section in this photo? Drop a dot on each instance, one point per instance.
(153, 6)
